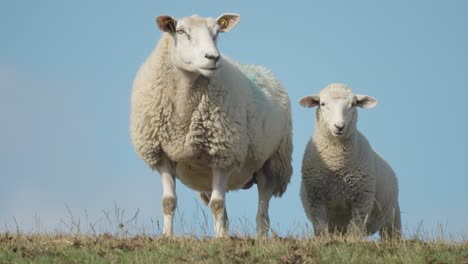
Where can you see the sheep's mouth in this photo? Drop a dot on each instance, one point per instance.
(207, 71)
(337, 133)
(209, 68)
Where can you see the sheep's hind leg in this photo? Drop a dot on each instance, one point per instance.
(169, 198)
(205, 197)
(265, 191)
(217, 201)
(392, 229)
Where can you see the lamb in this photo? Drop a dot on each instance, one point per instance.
(346, 186)
(210, 122)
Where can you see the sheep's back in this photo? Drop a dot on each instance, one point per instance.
(269, 114)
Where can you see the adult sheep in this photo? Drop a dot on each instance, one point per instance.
(214, 124)
(345, 184)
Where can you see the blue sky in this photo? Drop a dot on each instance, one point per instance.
(66, 70)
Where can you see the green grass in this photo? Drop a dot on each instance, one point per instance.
(41, 248)
(114, 239)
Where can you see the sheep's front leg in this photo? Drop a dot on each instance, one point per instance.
(359, 217)
(319, 217)
(217, 201)
(265, 191)
(315, 209)
(169, 198)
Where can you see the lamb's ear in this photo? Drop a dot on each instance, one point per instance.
(227, 21)
(166, 23)
(365, 101)
(310, 101)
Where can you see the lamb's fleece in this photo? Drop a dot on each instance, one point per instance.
(239, 118)
(343, 180)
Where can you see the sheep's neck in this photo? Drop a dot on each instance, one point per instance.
(185, 78)
(338, 154)
(334, 147)
(187, 94)
(184, 85)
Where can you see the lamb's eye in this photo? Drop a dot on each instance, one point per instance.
(322, 104)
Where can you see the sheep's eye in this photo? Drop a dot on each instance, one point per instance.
(181, 31)
(353, 104)
(322, 104)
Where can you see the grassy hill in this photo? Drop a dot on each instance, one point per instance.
(41, 248)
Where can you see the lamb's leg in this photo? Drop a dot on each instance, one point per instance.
(392, 229)
(217, 201)
(360, 213)
(319, 217)
(315, 211)
(169, 198)
(265, 191)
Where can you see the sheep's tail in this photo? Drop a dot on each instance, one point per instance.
(205, 197)
(278, 169)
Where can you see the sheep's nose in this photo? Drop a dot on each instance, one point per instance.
(340, 127)
(213, 57)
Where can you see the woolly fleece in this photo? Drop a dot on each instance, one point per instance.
(343, 180)
(239, 118)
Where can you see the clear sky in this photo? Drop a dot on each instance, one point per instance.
(66, 70)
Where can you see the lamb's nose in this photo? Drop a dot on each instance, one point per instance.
(212, 57)
(340, 127)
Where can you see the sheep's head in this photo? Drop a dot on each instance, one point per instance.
(195, 38)
(337, 108)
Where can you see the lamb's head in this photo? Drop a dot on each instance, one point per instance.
(195, 49)
(336, 110)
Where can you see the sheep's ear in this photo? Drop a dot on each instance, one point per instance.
(227, 21)
(365, 101)
(310, 101)
(166, 23)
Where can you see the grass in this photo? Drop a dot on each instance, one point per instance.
(66, 248)
(117, 237)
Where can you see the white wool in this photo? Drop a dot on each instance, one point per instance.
(236, 118)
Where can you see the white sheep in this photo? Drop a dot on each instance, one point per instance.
(346, 186)
(212, 123)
